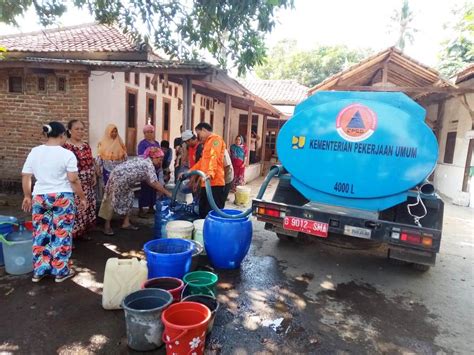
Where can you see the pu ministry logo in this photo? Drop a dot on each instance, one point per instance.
(356, 123)
(298, 142)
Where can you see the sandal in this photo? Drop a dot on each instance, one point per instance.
(65, 277)
(130, 227)
(38, 278)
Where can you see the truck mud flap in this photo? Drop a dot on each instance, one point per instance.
(412, 256)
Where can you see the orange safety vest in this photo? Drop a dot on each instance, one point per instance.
(212, 160)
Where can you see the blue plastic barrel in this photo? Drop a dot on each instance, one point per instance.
(227, 241)
(6, 227)
(168, 257)
(163, 215)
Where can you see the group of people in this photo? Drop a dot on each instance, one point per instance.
(63, 200)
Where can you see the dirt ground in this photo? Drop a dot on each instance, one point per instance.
(288, 297)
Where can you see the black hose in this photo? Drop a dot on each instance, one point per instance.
(274, 171)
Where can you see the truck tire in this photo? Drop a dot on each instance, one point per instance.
(421, 267)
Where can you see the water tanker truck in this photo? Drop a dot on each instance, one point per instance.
(355, 167)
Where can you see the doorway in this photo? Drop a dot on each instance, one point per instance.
(131, 124)
(165, 134)
(150, 109)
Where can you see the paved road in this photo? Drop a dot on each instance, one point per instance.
(293, 297)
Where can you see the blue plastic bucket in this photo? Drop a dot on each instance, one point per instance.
(168, 257)
(227, 240)
(6, 227)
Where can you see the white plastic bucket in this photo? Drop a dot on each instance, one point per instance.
(242, 195)
(179, 229)
(198, 234)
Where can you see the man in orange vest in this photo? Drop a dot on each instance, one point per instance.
(211, 164)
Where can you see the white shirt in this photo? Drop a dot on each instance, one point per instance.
(228, 168)
(50, 165)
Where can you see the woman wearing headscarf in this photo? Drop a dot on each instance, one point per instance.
(119, 194)
(111, 151)
(85, 219)
(147, 193)
(238, 154)
(52, 203)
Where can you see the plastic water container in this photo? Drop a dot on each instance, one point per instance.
(242, 195)
(227, 240)
(143, 310)
(168, 257)
(17, 250)
(179, 229)
(121, 277)
(198, 234)
(6, 227)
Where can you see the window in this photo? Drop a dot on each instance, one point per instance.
(203, 115)
(147, 82)
(163, 89)
(175, 91)
(194, 98)
(449, 148)
(155, 84)
(212, 119)
(192, 118)
(207, 104)
(61, 83)
(15, 84)
(137, 79)
(170, 90)
(41, 83)
(127, 77)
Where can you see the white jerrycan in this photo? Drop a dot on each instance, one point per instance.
(122, 277)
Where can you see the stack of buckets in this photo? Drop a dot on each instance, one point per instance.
(172, 311)
(174, 306)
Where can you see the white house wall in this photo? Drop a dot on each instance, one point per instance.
(107, 104)
(449, 177)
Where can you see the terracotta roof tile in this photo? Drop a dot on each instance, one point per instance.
(277, 92)
(83, 38)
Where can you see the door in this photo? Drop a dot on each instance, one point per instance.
(165, 135)
(150, 109)
(131, 116)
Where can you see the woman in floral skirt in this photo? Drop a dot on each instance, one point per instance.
(85, 219)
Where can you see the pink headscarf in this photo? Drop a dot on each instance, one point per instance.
(148, 127)
(153, 152)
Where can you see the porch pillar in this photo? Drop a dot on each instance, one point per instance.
(249, 132)
(228, 106)
(264, 142)
(187, 102)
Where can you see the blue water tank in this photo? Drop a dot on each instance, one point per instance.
(361, 150)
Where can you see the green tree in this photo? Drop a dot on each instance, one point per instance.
(458, 51)
(402, 21)
(286, 61)
(231, 31)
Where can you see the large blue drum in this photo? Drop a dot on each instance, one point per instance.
(227, 241)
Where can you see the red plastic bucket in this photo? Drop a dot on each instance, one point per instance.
(185, 328)
(170, 284)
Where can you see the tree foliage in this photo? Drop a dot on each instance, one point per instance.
(310, 67)
(458, 51)
(402, 22)
(231, 31)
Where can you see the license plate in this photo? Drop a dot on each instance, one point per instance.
(357, 232)
(319, 229)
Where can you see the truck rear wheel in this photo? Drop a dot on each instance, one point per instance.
(421, 267)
